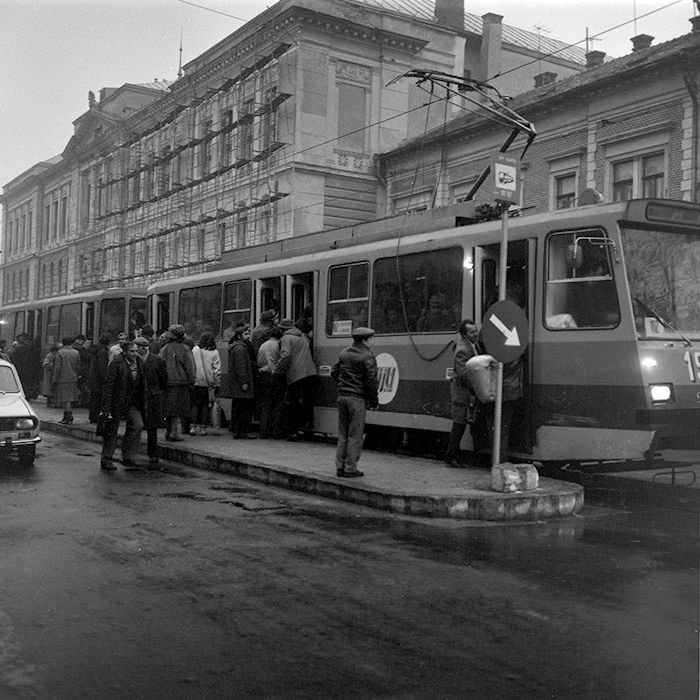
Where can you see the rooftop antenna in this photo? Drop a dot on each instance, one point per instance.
(590, 39)
(179, 68)
(540, 28)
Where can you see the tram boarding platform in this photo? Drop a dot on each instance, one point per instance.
(397, 483)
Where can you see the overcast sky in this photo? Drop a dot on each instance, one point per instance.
(52, 52)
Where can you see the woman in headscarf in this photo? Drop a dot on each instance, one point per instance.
(181, 376)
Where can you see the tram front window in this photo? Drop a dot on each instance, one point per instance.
(663, 270)
(581, 290)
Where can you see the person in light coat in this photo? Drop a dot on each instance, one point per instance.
(66, 371)
(207, 379)
(299, 369)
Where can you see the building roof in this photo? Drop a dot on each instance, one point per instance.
(425, 10)
(638, 62)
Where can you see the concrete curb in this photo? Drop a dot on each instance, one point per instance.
(550, 500)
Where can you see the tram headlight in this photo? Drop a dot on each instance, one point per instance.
(661, 393)
(649, 362)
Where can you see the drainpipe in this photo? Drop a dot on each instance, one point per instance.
(690, 79)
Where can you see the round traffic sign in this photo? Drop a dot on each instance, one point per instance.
(504, 331)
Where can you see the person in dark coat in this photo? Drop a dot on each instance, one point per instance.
(355, 373)
(123, 398)
(97, 373)
(148, 333)
(79, 344)
(181, 375)
(156, 377)
(22, 357)
(241, 378)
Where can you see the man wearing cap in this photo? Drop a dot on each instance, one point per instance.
(262, 331)
(355, 373)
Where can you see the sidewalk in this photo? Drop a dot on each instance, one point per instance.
(397, 483)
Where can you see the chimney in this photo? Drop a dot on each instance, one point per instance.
(595, 59)
(450, 13)
(641, 41)
(491, 44)
(545, 78)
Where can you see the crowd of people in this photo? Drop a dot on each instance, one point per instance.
(171, 382)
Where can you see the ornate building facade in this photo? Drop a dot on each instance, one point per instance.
(271, 133)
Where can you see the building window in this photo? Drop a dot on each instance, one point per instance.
(643, 176)
(241, 232)
(565, 191)
(352, 117)
(622, 180)
(653, 175)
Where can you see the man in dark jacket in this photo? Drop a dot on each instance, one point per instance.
(123, 398)
(156, 377)
(97, 373)
(356, 375)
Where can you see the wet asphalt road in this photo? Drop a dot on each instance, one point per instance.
(188, 584)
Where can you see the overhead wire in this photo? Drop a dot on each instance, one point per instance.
(584, 40)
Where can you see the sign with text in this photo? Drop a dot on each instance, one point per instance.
(505, 171)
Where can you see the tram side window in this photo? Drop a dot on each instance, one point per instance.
(137, 314)
(348, 298)
(237, 306)
(419, 292)
(70, 320)
(52, 325)
(580, 286)
(113, 317)
(199, 310)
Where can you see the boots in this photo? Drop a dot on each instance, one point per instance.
(173, 429)
(67, 418)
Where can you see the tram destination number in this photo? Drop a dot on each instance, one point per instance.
(692, 362)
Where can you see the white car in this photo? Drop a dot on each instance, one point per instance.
(19, 425)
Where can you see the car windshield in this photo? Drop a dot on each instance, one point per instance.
(664, 276)
(8, 380)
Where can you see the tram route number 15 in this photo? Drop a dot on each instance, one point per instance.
(692, 362)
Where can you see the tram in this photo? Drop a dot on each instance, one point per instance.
(611, 293)
(91, 313)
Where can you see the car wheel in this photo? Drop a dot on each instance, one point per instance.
(26, 455)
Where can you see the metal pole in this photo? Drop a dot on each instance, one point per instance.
(498, 407)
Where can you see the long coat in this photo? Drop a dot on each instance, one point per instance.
(66, 369)
(156, 376)
(97, 373)
(240, 370)
(120, 390)
(460, 389)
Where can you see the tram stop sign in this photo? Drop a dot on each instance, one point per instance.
(504, 331)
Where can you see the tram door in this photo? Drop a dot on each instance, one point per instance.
(520, 286)
(300, 296)
(160, 309)
(268, 296)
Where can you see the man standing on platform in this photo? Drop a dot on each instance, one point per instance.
(356, 375)
(155, 376)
